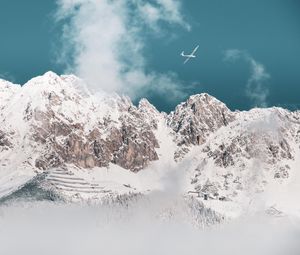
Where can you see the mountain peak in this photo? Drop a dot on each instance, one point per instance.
(198, 117)
(204, 99)
(47, 79)
(50, 74)
(144, 104)
(200, 96)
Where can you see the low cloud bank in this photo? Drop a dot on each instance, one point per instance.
(44, 228)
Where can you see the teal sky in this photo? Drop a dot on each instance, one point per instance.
(269, 30)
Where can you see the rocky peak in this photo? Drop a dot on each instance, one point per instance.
(202, 98)
(149, 112)
(203, 104)
(47, 79)
(198, 117)
(86, 130)
(146, 106)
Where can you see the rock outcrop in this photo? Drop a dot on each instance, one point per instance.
(66, 124)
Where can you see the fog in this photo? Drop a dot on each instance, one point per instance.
(77, 229)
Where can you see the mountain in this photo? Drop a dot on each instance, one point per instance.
(59, 137)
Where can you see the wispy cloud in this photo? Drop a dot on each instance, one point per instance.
(105, 40)
(256, 89)
(161, 10)
(7, 76)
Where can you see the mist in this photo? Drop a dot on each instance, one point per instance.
(55, 228)
(159, 222)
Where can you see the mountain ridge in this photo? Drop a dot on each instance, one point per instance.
(55, 125)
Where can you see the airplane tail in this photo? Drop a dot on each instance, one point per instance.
(182, 54)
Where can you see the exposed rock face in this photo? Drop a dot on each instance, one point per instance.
(197, 118)
(69, 126)
(127, 140)
(4, 141)
(194, 120)
(136, 147)
(259, 146)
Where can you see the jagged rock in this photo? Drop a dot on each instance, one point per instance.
(194, 120)
(198, 117)
(4, 141)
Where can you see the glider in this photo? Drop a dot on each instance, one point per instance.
(189, 56)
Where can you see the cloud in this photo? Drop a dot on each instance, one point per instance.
(104, 39)
(256, 90)
(161, 10)
(48, 229)
(232, 55)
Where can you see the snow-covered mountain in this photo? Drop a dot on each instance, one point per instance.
(78, 145)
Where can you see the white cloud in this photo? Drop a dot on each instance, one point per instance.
(106, 43)
(161, 10)
(256, 90)
(48, 228)
(232, 54)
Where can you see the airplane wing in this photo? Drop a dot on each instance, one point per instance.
(194, 51)
(187, 59)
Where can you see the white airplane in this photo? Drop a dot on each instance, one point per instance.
(188, 57)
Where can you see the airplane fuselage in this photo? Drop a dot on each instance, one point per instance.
(187, 56)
